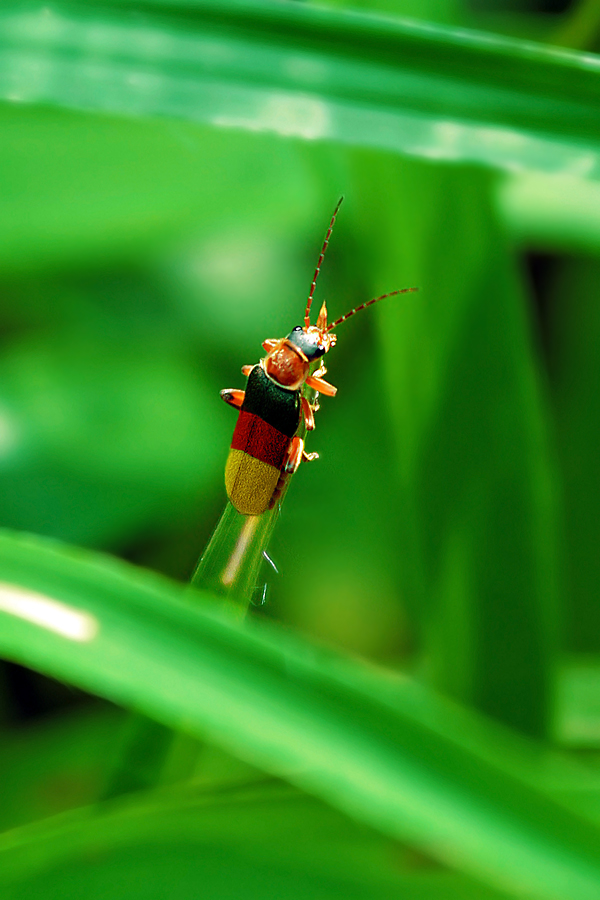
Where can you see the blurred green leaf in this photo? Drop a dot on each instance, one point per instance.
(478, 537)
(81, 188)
(578, 702)
(554, 213)
(573, 340)
(57, 763)
(99, 437)
(264, 841)
(293, 70)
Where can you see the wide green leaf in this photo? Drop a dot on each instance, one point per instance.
(376, 746)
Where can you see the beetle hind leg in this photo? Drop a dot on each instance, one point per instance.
(294, 455)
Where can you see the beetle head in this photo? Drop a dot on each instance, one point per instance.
(314, 341)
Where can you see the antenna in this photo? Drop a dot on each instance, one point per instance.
(368, 303)
(320, 260)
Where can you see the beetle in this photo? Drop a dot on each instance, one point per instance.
(266, 448)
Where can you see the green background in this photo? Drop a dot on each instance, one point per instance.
(415, 710)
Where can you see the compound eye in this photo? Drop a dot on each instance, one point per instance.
(297, 328)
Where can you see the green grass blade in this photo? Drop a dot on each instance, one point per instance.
(230, 564)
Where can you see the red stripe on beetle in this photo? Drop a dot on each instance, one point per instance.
(259, 439)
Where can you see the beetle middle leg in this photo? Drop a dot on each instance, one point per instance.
(308, 412)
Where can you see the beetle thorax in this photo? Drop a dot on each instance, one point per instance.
(286, 366)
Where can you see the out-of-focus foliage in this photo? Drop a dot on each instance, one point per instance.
(167, 172)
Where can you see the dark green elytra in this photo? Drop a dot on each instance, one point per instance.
(272, 403)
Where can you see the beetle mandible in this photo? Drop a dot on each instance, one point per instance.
(266, 448)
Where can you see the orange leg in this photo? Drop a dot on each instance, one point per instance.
(294, 457)
(246, 370)
(308, 412)
(323, 387)
(296, 453)
(270, 344)
(233, 397)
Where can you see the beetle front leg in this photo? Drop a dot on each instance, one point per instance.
(318, 373)
(271, 343)
(234, 397)
(323, 387)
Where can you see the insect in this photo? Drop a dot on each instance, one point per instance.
(266, 448)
